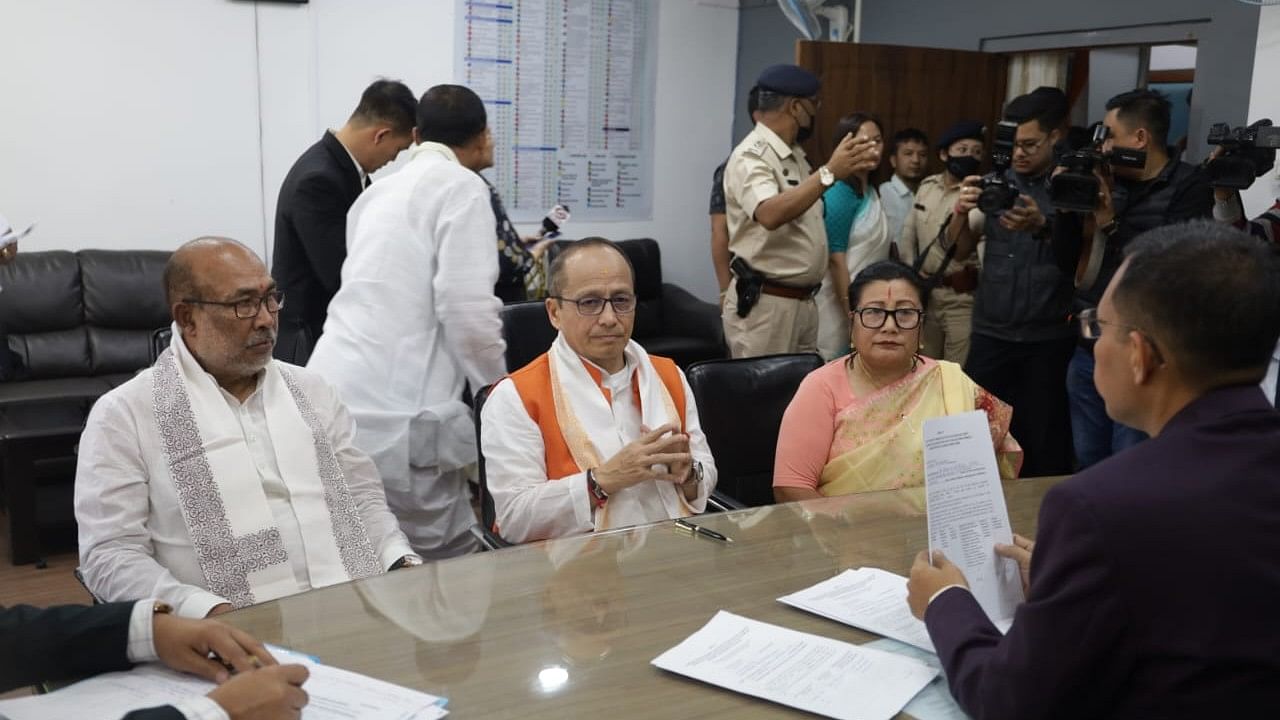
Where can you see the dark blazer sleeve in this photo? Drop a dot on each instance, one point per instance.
(62, 643)
(319, 217)
(1065, 655)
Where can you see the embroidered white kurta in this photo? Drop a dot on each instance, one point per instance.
(414, 320)
(134, 542)
(531, 506)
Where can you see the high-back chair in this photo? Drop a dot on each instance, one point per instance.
(740, 405)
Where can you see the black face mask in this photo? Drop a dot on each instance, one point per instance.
(804, 132)
(962, 166)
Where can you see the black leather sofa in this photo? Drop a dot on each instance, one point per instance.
(81, 323)
(670, 321)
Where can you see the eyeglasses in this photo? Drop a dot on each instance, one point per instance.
(246, 309)
(1091, 329)
(873, 318)
(1030, 146)
(591, 306)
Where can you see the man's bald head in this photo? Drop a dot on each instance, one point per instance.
(182, 272)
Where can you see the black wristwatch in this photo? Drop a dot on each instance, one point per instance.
(598, 495)
(1110, 228)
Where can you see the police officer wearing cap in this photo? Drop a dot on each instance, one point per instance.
(950, 317)
(776, 236)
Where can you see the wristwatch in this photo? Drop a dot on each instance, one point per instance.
(406, 561)
(826, 176)
(1110, 228)
(695, 473)
(598, 495)
(161, 607)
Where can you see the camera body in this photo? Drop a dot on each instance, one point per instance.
(1076, 188)
(1248, 153)
(998, 194)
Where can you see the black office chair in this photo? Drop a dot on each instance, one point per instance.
(669, 320)
(740, 405)
(484, 530)
(160, 340)
(528, 332)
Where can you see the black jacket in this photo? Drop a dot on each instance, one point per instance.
(1180, 192)
(311, 241)
(67, 643)
(1023, 296)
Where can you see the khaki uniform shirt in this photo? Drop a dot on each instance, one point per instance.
(933, 204)
(760, 167)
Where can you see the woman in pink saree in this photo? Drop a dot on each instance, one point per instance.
(856, 424)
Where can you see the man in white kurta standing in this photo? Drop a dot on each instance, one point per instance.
(219, 478)
(596, 433)
(416, 319)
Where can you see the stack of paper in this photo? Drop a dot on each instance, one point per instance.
(868, 598)
(812, 673)
(335, 694)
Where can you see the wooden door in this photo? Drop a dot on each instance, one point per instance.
(925, 88)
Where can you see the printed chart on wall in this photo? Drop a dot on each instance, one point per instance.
(569, 87)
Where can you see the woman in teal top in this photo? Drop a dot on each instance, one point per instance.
(857, 236)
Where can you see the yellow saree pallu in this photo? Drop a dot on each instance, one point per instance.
(878, 443)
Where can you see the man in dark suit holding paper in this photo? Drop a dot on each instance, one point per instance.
(311, 212)
(1151, 590)
(70, 642)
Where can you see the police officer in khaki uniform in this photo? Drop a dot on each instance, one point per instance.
(776, 236)
(950, 318)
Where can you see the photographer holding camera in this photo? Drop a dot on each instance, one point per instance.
(1133, 194)
(1021, 340)
(1242, 155)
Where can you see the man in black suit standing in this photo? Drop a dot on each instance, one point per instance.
(311, 213)
(70, 642)
(1151, 588)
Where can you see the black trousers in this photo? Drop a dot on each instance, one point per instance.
(1032, 377)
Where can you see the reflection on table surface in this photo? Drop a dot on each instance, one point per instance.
(567, 628)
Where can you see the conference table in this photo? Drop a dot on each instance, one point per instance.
(567, 628)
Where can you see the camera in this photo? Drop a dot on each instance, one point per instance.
(997, 194)
(1247, 153)
(1076, 188)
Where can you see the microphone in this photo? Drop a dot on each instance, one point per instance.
(555, 219)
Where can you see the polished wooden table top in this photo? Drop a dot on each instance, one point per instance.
(567, 628)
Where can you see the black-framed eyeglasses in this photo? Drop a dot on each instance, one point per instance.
(591, 305)
(873, 318)
(1091, 328)
(249, 307)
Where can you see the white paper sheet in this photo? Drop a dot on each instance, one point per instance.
(935, 701)
(868, 598)
(967, 513)
(335, 694)
(792, 668)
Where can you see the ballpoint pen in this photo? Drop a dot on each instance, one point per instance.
(699, 530)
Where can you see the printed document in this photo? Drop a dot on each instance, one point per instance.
(935, 701)
(868, 598)
(335, 694)
(967, 513)
(812, 673)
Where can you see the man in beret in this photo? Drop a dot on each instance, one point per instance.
(776, 237)
(950, 316)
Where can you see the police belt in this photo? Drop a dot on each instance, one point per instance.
(790, 292)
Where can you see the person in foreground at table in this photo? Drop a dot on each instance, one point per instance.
(1151, 590)
(595, 433)
(219, 477)
(416, 320)
(76, 642)
(856, 424)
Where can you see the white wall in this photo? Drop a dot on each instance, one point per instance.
(144, 123)
(1265, 102)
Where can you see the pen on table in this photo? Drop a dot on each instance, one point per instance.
(699, 530)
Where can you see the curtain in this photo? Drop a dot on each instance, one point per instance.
(1028, 71)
